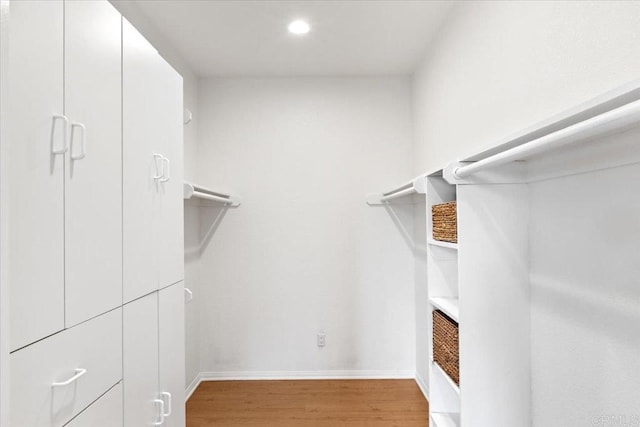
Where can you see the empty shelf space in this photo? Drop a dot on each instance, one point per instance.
(433, 242)
(442, 377)
(440, 419)
(448, 306)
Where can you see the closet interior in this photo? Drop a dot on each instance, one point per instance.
(173, 215)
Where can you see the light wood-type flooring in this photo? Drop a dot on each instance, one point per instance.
(314, 403)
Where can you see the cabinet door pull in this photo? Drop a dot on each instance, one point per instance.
(83, 143)
(79, 372)
(65, 124)
(166, 172)
(159, 170)
(168, 396)
(189, 294)
(160, 403)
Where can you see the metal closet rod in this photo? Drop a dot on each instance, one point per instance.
(618, 119)
(401, 193)
(207, 196)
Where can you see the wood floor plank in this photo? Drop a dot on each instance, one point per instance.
(312, 403)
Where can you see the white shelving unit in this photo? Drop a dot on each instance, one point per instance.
(537, 268)
(442, 273)
(491, 305)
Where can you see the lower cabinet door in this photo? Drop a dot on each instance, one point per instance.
(172, 353)
(142, 405)
(53, 380)
(105, 412)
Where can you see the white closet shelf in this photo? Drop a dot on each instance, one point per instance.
(448, 245)
(198, 192)
(448, 305)
(441, 419)
(415, 186)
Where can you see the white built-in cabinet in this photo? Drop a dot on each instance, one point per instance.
(95, 221)
(154, 359)
(106, 411)
(153, 236)
(54, 379)
(152, 192)
(93, 174)
(65, 128)
(36, 241)
(143, 405)
(171, 360)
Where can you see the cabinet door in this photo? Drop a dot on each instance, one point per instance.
(93, 183)
(142, 134)
(171, 245)
(104, 412)
(172, 351)
(35, 198)
(140, 361)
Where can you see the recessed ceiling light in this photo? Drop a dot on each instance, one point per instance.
(299, 27)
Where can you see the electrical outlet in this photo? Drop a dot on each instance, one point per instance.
(322, 339)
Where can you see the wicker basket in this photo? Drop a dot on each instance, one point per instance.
(445, 224)
(445, 345)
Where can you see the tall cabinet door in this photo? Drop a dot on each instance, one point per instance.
(140, 361)
(172, 352)
(143, 164)
(93, 181)
(35, 196)
(171, 245)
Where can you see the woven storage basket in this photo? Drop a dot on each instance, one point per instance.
(445, 224)
(445, 345)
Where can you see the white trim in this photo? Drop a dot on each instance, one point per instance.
(4, 226)
(423, 386)
(192, 387)
(295, 375)
(305, 375)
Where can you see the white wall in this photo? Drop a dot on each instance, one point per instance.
(304, 253)
(497, 68)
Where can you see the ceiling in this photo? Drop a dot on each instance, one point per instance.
(250, 37)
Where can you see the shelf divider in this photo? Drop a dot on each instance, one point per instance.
(433, 242)
(441, 419)
(448, 306)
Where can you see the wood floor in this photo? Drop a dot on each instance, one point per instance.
(316, 403)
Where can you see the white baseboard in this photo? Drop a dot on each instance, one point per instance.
(295, 375)
(423, 385)
(192, 387)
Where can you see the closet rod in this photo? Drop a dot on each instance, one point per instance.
(211, 197)
(404, 192)
(616, 120)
